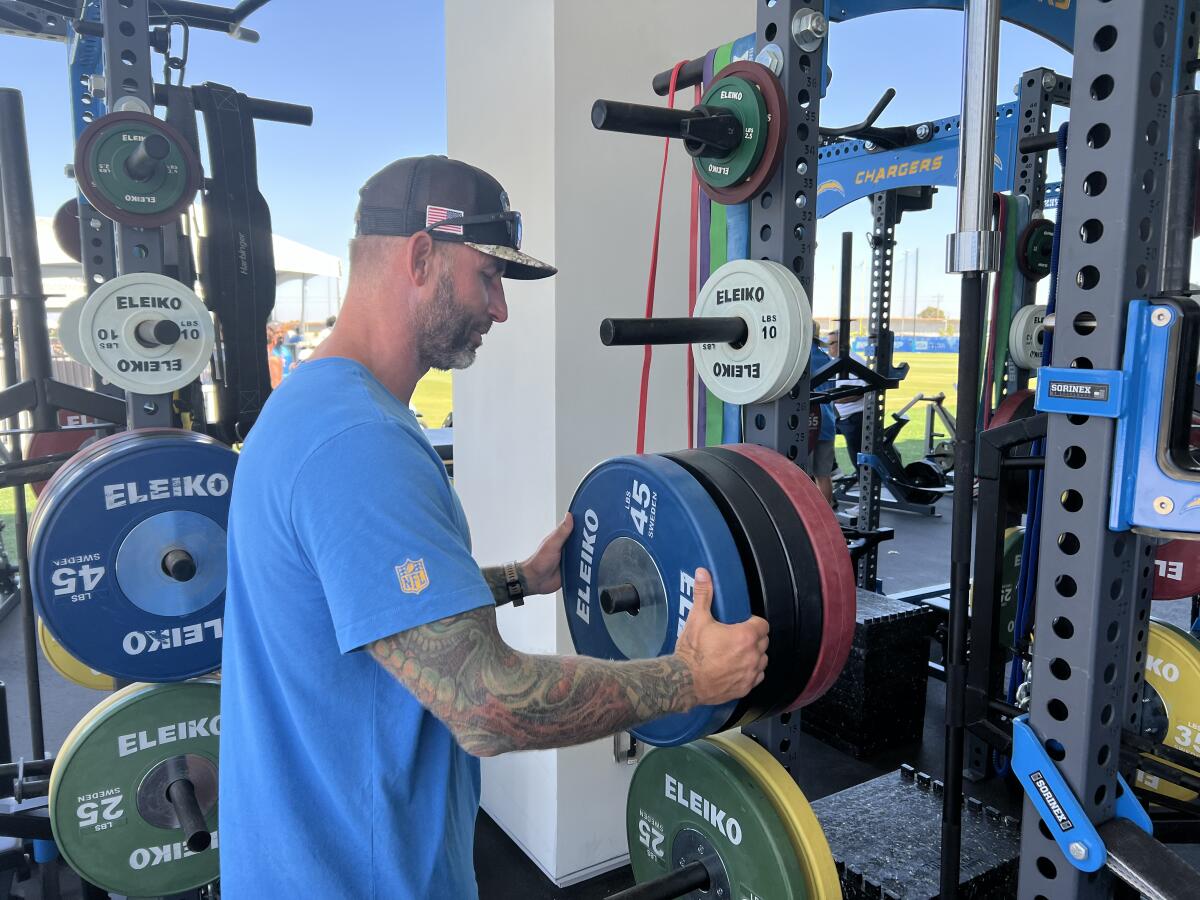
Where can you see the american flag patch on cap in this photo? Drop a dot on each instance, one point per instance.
(435, 214)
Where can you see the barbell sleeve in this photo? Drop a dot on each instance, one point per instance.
(637, 332)
(708, 131)
(679, 883)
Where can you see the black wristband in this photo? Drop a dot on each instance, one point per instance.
(512, 582)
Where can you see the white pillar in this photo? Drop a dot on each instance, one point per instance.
(545, 402)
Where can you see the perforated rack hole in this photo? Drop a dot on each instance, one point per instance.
(1071, 500)
(1105, 39)
(1102, 87)
(1060, 668)
(1055, 750)
(1091, 231)
(1057, 709)
(1075, 457)
(1063, 627)
(1065, 585)
(1068, 543)
(1095, 183)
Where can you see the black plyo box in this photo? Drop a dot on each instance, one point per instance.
(884, 838)
(878, 702)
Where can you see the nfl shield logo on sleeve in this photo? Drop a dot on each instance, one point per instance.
(412, 575)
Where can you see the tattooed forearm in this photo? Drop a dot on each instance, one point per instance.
(496, 700)
(494, 576)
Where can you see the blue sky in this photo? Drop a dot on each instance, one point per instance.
(373, 71)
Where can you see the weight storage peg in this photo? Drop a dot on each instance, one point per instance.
(133, 791)
(1026, 336)
(127, 554)
(721, 816)
(735, 136)
(145, 333)
(751, 331)
(136, 169)
(644, 524)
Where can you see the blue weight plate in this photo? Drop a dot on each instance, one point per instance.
(127, 554)
(643, 520)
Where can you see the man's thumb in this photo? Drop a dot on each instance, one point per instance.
(702, 594)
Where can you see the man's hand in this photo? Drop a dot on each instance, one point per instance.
(541, 573)
(726, 661)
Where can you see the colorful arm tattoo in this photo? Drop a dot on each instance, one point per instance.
(497, 700)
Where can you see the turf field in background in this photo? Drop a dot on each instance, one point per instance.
(928, 373)
(432, 398)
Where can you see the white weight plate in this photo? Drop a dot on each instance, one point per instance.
(804, 346)
(68, 330)
(108, 329)
(759, 369)
(1025, 336)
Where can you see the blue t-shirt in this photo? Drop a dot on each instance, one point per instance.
(343, 529)
(817, 360)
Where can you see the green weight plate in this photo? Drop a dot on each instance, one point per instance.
(108, 807)
(699, 802)
(747, 103)
(1010, 568)
(105, 165)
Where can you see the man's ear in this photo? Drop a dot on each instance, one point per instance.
(419, 259)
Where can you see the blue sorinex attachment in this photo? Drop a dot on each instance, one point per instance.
(643, 525)
(1152, 491)
(127, 560)
(1057, 805)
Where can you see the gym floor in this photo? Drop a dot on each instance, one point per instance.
(918, 556)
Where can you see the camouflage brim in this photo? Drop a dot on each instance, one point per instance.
(519, 265)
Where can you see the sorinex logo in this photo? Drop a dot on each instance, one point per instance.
(1060, 816)
(1075, 391)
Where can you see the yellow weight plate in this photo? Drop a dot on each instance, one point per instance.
(821, 877)
(68, 666)
(1173, 669)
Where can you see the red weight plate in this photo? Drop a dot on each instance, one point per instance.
(1017, 405)
(1177, 570)
(772, 91)
(838, 589)
(48, 443)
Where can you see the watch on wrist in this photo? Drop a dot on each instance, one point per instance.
(512, 583)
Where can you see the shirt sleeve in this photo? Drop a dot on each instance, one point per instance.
(375, 518)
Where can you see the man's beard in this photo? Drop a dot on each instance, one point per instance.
(445, 329)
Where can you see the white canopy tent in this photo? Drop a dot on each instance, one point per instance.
(308, 281)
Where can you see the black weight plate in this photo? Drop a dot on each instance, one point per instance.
(767, 574)
(66, 229)
(1017, 405)
(806, 577)
(924, 473)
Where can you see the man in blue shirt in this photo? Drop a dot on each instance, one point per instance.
(363, 672)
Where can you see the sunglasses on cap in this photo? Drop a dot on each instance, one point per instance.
(510, 217)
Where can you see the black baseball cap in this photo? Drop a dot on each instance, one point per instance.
(452, 201)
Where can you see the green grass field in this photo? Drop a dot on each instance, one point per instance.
(433, 399)
(928, 374)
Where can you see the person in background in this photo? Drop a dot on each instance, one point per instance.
(850, 412)
(327, 330)
(822, 451)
